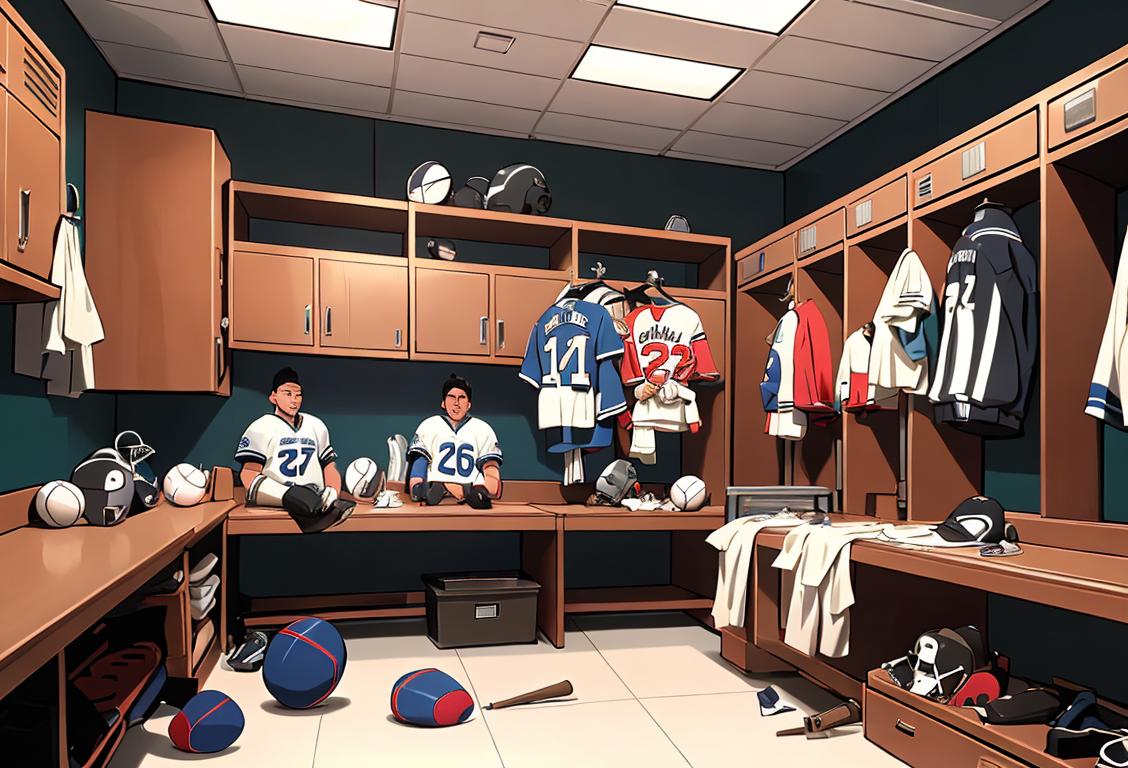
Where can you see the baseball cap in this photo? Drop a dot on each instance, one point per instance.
(974, 522)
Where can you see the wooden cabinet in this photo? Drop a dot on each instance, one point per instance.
(362, 305)
(272, 296)
(1092, 106)
(824, 233)
(4, 26)
(883, 204)
(713, 320)
(35, 79)
(31, 191)
(452, 312)
(155, 254)
(518, 304)
(775, 256)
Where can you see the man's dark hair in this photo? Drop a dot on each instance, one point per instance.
(285, 376)
(457, 382)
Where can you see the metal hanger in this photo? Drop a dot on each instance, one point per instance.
(654, 280)
(73, 203)
(584, 289)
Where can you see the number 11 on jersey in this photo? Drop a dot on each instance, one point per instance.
(577, 349)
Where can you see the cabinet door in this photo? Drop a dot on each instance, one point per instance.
(362, 306)
(452, 312)
(32, 191)
(518, 304)
(272, 298)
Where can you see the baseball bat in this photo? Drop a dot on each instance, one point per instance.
(554, 691)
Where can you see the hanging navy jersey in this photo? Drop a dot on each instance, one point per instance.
(990, 328)
(570, 359)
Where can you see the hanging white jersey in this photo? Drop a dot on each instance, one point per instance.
(666, 343)
(855, 390)
(455, 454)
(1111, 369)
(905, 302)
(291, 455)
(777, 390)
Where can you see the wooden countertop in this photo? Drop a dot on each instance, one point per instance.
(59, 582)
(581, 518)
(1085, 582)
(504, 516)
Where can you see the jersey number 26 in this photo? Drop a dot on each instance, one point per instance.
(465, 459)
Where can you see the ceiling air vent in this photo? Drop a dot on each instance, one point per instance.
(491, 41)
(1081, 110)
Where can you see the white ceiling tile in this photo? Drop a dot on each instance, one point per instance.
(568, 19)
(313, 90)
(193, 86)
(427, 107)
(800, 94)
(310, 56)
(881, 29)
(454, 41)
(766, 124)
(487, 131)
(457, 80)
(841, 64)
(996, 10)
(128, 60)
(191, 7)
(605, 131)
(733, 148)
(666, 35)
(148, 28)
(610, 102)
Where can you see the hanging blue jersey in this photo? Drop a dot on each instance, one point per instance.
(570, 359)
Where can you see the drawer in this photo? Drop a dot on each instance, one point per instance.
(824, 233)
(781, 253)
(1002, 148)
(1094, 105)
(921, 741)
(887, 202)
(35, 80)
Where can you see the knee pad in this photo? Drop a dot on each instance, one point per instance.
(303, 502)
(266, 492)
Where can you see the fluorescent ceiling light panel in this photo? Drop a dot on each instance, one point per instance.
(347, 21)
(649, 72)
(763, 15)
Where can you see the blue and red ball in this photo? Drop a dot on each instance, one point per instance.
(210, 722)
(304, 663)
(430, 697)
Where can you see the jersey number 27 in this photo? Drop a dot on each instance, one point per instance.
(289, 466)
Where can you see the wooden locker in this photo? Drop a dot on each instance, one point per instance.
(155, 254)
(32, 192)
(452, 312)
(273, 298)
(518, 304)
(362, 305)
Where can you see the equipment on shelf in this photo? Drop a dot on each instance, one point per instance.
(748, 500)
(618, 480)
(59, 504)
(519, 188)
(440, 248)
(364, 479)
(688, 493)
(677, 223)
(473, 193)
(816, 726)
(106, 482)
(429, 183)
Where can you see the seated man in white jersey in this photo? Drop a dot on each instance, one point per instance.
(455, 454)
(288, 461)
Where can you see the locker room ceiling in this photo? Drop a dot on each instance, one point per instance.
(837, 62)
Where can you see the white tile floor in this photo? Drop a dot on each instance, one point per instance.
(649, 690)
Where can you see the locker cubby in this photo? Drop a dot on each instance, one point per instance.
(944, 464)
(817, 455)
(758, 458)
(871, 451)
(1082, 459)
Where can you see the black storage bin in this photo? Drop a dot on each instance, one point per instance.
(468, 609)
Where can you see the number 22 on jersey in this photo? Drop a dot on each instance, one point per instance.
(657, 372)
(576, 350)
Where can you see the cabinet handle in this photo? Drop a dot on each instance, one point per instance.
(24, 219)
(501, 334)
(220, 348)
(308, 319)
(399, 336)
(483, 330)
(328, 321)
(905, 728)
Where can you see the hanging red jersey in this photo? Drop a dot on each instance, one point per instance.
(814, 388)
(666, 343)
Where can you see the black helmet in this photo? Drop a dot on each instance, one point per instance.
(519, 188)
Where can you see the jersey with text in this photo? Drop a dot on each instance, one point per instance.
(455, 453)
(292, 455)
(666, 343)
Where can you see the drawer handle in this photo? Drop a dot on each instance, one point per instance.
(24, 219)
(308, 319)
(328, 321)
(905, 728)
(483, 330)
(501, 334)
(399, 336)
(1080, 110)
(486, 611)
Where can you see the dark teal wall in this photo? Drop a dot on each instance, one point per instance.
(47, 436)
(1058, 39)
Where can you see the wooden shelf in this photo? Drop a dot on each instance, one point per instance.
(410, 517)
(581, 518)
(650, 244)
(306, 206)
(353, 614)
(17, 286)
(1025, 742)
(610, 599)
(488, 226)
